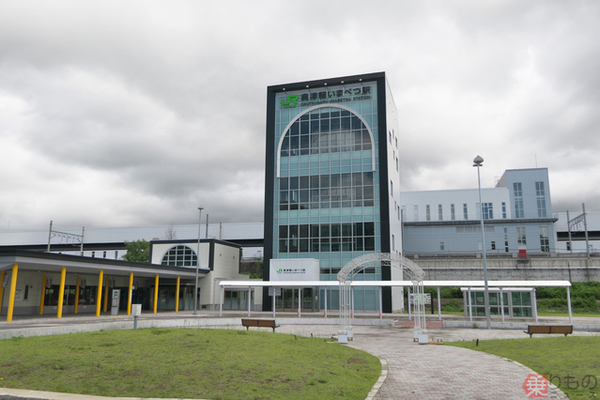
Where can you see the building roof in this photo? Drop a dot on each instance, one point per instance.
(295, 284)
(50, 262)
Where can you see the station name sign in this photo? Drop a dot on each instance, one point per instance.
(294, 270)
(327, 96)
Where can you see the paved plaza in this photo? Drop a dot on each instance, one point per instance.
(410, 370)
(438, 372)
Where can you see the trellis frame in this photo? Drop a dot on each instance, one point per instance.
(346, 277)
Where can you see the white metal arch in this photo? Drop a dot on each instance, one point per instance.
(346, 276)
(313, 108)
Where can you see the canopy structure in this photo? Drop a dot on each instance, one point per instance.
(35, 266)
(474, 284)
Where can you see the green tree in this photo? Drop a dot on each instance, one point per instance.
(259, 274)
(137, 251)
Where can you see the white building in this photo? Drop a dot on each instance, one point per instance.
(517, 213)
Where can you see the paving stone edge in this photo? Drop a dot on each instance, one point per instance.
(379, 383)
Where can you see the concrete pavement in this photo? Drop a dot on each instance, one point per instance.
(411, 371)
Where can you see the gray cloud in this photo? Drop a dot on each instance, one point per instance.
(134, 113)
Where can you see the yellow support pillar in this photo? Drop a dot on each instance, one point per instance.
(130, 293)
(61, 292)
(99, 293)
(156, 294)
(76, 306)
(43, 294)
(177, 294)
(11, 294)
(106, 281)
(1, 289)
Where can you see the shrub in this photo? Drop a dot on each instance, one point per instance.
(452, 306)
(550, 292)
(586, 290)
(578, 304)
(582, 304)
(445, 292)
(584, 296)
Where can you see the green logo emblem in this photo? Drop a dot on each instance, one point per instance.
(290, 102)
(279, 271)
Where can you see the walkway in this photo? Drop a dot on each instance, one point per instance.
(413, 371)
(444, 372)
(438, 372)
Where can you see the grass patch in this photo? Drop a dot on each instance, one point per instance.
(570, 362)
(188, 363)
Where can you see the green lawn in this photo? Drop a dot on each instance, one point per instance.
(188, 363)
(570, 362)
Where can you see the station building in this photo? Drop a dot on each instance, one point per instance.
(332, 182)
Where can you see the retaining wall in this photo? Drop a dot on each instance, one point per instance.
(578, 269)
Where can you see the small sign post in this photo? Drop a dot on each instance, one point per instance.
(136, 310)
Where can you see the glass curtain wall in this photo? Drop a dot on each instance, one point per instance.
(326, 202)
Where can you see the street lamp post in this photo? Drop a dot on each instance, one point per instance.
(478, 162)
(197, 261)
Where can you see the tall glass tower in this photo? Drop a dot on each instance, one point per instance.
(332, 181)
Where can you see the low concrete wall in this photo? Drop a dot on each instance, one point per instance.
(482, 325)
(574, 269)
(232, 323)
(222, 323)
(514, 325)
(334, 321)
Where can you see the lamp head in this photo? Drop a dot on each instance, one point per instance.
(478, 161)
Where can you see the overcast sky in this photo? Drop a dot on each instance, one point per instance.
(133, 113)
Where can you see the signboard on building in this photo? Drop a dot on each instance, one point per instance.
(298, 269)
(313, 97)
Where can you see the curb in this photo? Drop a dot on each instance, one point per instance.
(25, 394)
(380, 381)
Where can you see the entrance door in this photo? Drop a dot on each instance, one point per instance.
(288, 301)
(166, 298)
(141, 296)
(308, 300)
(188, 304)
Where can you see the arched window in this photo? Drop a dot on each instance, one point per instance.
(180, 256)
(323, 130)
(326, 130)
(317, 182)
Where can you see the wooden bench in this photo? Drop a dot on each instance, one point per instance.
(548, 329)
(259, 323)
